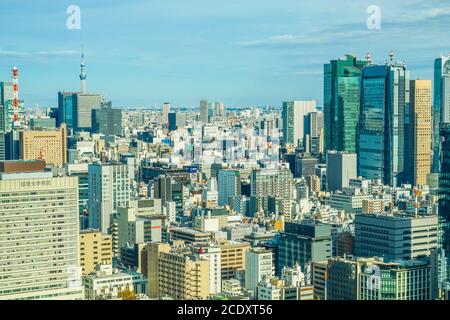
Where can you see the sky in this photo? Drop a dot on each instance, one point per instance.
(141, 53)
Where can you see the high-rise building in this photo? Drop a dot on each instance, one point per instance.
(229, 185)
(50, 146)
(341, 167)
(95, 249)
(342, 86)
(293, 120)
(384, 125)
(277, 183)
(165, 113)
(109, 189)
(204, 111)
(421, 130)
(75, 109)
(444, 212)
(107, 120)
(258, 264)
(303, 243)
(441, 71)
(163, 189)
(39, 240)
(219, 109)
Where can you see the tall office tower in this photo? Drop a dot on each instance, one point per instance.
(165, 113)
(6, 94)
(441, 71)
(75, 109)
(109, 189)
(183, 275)
(278, 183)
(50, 146)
(293, 120)
(107, 120)
(422, 236)
(313, 129)
(163, 189)
(444, 211)
(219, 109)
(83, 75)
(341, 167)
(258, 264)
(204, 111)
(342, 86)
(39, 241)
(303, 243)
(95, 249)
(384, 124)
(421, 129)
(229, 185)
(176, 120)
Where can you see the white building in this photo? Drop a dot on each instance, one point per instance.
(108, 283)
(109, 189)
(212, 254)
(258, 264)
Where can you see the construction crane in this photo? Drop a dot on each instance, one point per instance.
(15, 77)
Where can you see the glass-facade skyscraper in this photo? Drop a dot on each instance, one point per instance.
(441, 67)
(384, 150)
(444, 209)
(342, 86)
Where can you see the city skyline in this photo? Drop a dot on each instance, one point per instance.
(251, 54)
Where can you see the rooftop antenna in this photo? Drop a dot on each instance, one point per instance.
(369, 58)
(391, 57)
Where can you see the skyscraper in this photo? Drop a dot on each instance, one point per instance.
(384, 124)
(342, 86)
(165, 113)
(204, 111)
(109, 188)
(75, 109)
(444, 211)
(293, 120)
(421, 130)
(441, 70)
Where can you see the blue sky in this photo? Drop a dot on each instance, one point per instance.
(242, 52)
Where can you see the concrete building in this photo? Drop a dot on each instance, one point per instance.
(34, 210)
(232, 257)
(293, 120)
(395, 237)
(108, 283)
(228, 185)
(95, 249)
(258, 264)
(50, 146)
(107, 120)
(349, 200)
(341, 167)
(109, 189)
(303, 243)
(183, 275)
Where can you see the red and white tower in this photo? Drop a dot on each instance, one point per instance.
(15, 77)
